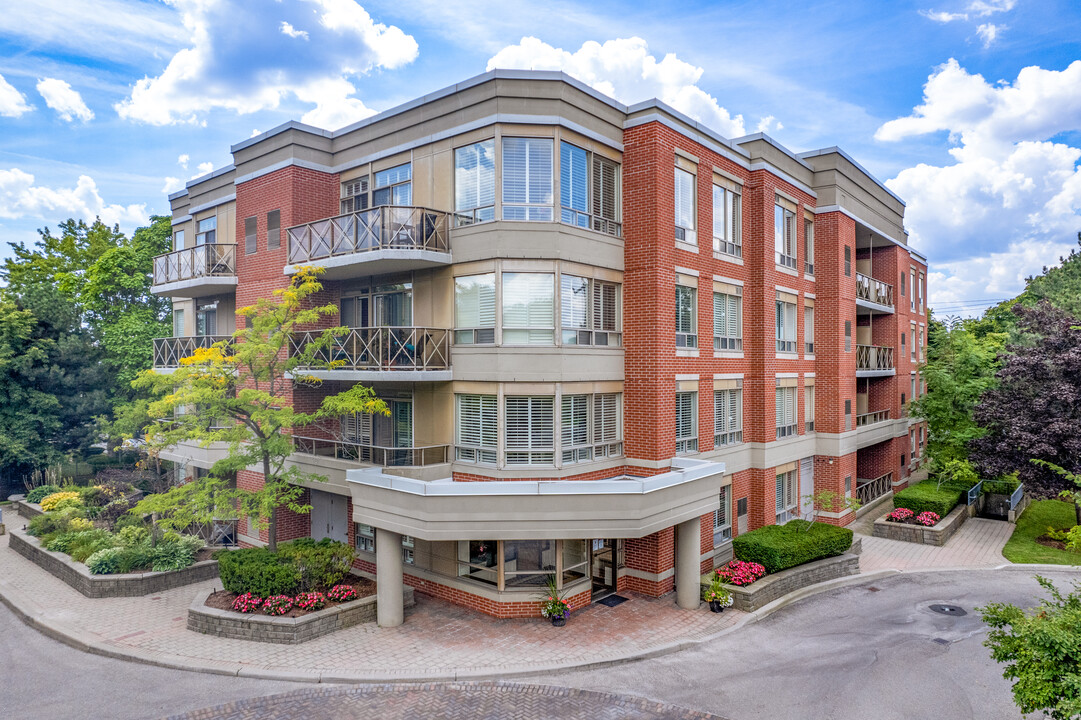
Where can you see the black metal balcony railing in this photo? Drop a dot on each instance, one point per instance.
(379, 228)
(872, 418)
(874, 357)
(169, 351)
(868, 490)
(382, 348)
(374, 454)
(217, 260)
(873, 290)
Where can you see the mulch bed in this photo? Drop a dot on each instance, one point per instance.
(1048, 542)
(223, 600)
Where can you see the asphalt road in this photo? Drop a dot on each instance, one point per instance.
(868, 651)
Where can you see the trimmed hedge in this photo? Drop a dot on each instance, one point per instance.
(779, 547)
(1002, 486)
(257, 571)
(926, 496)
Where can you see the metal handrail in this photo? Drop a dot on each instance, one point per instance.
(374, 454)
(872, 418)
(868, 490)
(871, 290)
(213, 260)
(577, 218)
(1016, 496)
(168, 352)
(973, 493)
(874, 357)
(380, 348)
(385, 227)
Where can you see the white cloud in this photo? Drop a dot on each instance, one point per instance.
(203, 168)
(182, 161)
(943, 17)
(768, 123)
(989, 32)
(66, 101)
(983, 8)
(335, 105)
(12, 102)
(254, 65)
(172, 185)
(292, 32)
(20, 197)
(625, 70)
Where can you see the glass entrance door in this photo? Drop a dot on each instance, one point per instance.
(603, 567)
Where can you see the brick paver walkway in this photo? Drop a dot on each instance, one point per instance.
(977, 544)
(437, 641)
(449, 701)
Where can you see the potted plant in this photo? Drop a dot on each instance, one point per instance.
(717, 595)
(553, 606)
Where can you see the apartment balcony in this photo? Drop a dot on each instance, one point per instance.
(874, 361)
(196, 271)
(872, 418)
(870, 490)
(873, 295)
(380, 353)
(371, 242)
(367, 454)
(168, 352)
(873, 428)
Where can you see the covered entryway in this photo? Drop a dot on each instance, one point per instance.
(603, 567)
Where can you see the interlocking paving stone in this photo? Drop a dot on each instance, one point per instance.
(978, 543)
(449, 701)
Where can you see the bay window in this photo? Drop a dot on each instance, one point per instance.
(528, 309)
(474, 309)
(588, 190)
(474, 182)
(527, 179)
(530, 429)
(475, 426)
(590, 427)
(528, 563)
(589, 311)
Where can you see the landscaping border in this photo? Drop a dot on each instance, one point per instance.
(282, 630)
(765, 590)
(27, 509)
(936, 535)
(101, 586)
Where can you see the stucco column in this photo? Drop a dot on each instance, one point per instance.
(688, 563)
(390, 606)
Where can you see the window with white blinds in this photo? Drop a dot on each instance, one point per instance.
(786, 327)
(726, 222)
(574, 185)
(589, 311)
(809, 407)
(809, 246)
(530, 429)
(355, 195)
(474, 309)
(207, 231)
(590, 427)
(574, 429)
(605, 196)
(394, 186)
(685, 227)
(475, 428)
(728, 320)
(727, 417)
(527, 179)
(686, 422)
(786, 412)
(686, 317)
(474, 182)
(787, 497)
(809, 329)
(178, 325)
(607, 424)
(722, 517)
(528, 309)
(784, 236)
(251, 226)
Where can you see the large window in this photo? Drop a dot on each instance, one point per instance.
(786, 412)
(474, 182)
(590, 427)
(206, 317)
(530, 429)
(809, 246)
(474, 309)
(726, 222)
(588, 190)
(478, 560)
(207, 231)
(528, 309)
(589, 311)
(728, 319)
(527, 179)
(686, 316)
(786, 325)
(686, 422)
(475, 428)
(787, 496)
(394, 186)
(727, 417)
(528, 563)
(784, 235)
(722, 517)
(685, 226)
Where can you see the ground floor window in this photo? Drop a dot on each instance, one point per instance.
(365, 542)
(787, 496)
(722, 518)
(477, 560)
(524, 563)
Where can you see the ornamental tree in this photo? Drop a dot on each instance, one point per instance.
(238, 392)
(1042, 651)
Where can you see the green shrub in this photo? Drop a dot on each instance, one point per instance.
(926, 496)
(104, 562)
(778, 547)
(89, 542)
(133, 535)
(258, 571)
(133, 557)
(62, 542)
(48, 524)
(321, 564)
(40, 493)
(171, 556)
(1004, 485)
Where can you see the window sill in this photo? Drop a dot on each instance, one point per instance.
(728, 258)
(686, 246)
(808, 356)
(686, 352)
(808, 277)
(729, 354)
(786, 270)
(787, 356)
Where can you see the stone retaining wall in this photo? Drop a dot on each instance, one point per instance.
(26, 509)
(936, 535)
(99, 586)
(767, 589)
(282, 630)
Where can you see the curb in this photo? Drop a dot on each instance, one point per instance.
(27, 611)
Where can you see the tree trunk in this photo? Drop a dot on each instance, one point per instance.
(1077, 512)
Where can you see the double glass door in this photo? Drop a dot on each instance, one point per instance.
(385, 306)
(383, 440)
(603, 567)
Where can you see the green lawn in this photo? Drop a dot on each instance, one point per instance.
(1040, 515)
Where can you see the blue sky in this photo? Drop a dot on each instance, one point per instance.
(968, 109)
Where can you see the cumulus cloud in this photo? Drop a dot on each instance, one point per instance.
(172, 185)
(253, 65)
(625, 70)
(1011, 200)
(768, 123)
(12, 102)
(203, 168)
(20, 197)
(989, 32)
(66, 101)
(182, 160)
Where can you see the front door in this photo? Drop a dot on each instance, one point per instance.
(329, 514)
(603, 564)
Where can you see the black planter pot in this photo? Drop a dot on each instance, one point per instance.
(715, 606)
(559, 621)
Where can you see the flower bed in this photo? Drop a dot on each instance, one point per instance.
(914, 528)
(294, 606)
(928, 496)
(907, 517)
(765, 590)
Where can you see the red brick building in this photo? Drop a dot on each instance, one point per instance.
(610, 338)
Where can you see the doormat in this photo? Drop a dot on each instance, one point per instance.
(612, 600)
